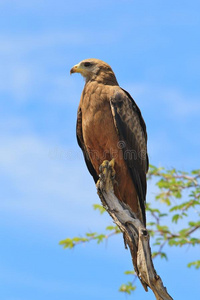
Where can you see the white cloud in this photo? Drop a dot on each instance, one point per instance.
(23, 43)
(28, 66)
(20, 44)
(177, 104)
(172, 119)
(29, 280)
(21, 76)
(21, 80)
(37, 187)
(52, 283)
(182, 105)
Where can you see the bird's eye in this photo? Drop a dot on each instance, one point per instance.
(87, 64)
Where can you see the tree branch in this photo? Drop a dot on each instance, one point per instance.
(135, 234)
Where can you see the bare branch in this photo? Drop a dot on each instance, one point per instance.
(135, 234)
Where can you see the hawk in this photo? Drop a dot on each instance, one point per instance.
(110, 125)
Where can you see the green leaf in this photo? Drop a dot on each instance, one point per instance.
(195, 264)
(163, 228)
(163, 255)
(195, 172)
(92, 234)
(183, 232)
(67, 243)
(110, 228)
(99, 208)
(127, 288)
(129, 272)
(151, 224)
(100, 238)
(176, 217)
(194, 241)
(194, 224)
(163, 215)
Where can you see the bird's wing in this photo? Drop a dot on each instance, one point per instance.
(81, 143)
(132, 139)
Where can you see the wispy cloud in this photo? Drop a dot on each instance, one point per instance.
(39, 186)
(173, 100)
(172, 119)
(24, 43)
(30, 62)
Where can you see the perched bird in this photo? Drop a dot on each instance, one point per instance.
(110, 125)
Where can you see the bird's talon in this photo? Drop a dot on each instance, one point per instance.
(112, 163)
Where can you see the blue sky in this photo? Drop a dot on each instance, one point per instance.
(47, 193)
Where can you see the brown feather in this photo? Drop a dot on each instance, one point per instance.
(106, 117)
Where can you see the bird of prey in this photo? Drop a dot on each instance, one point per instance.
(110, 125)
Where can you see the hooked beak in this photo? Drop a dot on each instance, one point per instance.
(75, 69)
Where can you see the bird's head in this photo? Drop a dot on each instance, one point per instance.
(95, 69)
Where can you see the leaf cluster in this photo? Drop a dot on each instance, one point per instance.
(174, 216)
